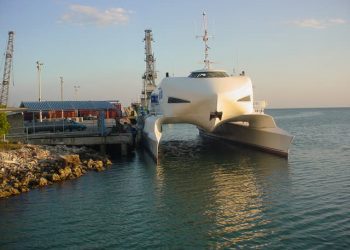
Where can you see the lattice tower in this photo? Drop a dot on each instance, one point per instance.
(150, 75)
(7, 70)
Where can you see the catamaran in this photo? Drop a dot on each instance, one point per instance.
(220, 105)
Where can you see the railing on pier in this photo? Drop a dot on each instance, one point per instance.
(58, 129)
(94, 134)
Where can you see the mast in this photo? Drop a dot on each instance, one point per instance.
(7, 70)
(205, 38)
(150, 75)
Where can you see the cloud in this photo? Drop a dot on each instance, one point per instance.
(337, 21)
(318, 24)
(310, 23)
(88, 15)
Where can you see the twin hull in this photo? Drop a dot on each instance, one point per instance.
(220, 107)
(269, 139)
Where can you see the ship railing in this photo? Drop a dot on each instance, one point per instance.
(259, 106)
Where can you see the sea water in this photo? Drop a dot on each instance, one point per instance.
(203, 194)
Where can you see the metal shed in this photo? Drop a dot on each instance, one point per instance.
(70, 109)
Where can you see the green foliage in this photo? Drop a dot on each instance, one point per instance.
(4, 125)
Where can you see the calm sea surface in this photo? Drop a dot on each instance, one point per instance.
(203, 194)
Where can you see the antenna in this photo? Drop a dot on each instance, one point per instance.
(233, 68)
(205, 38)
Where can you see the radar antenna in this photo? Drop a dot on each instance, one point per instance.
(205, 38)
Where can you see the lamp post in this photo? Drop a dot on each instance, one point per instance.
(61, 88)
(62, 115)
(39, 67)
(76, 88)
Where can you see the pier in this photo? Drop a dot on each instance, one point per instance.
(124, 141)
(63, 123)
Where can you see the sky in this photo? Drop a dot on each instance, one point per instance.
(297, 53)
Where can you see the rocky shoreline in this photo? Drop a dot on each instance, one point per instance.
(33, 166)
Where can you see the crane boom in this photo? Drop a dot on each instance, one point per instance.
(7, 70)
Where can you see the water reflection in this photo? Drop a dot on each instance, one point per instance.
(220, 189)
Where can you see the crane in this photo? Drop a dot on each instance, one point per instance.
(7, 70)
(150, 74)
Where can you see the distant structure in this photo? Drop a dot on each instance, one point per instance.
(88, 110)
(150, 75)
(7, 70)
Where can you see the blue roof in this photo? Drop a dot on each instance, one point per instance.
(67, 105)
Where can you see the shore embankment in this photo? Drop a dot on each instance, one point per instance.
(33, 166)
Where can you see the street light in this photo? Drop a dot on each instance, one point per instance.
(39, 67)
(76, 88)
(61, 77)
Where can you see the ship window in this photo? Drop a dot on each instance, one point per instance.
(177, 100)
(154, 99)
(244, 99)
(208, 74)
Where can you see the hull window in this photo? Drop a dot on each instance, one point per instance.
(208, 74)
(244, 99)
(177, 100)
(215, 114)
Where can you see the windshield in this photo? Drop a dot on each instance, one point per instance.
(208, 74)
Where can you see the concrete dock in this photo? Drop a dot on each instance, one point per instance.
(122, 140)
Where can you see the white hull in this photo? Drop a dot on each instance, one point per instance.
(256, 130)
(151, 135)
(151, 145)
(272, 140)
(220, 107)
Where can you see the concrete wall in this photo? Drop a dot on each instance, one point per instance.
(86, 140)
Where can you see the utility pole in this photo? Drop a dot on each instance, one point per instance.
(76, 88)
(150, 74)
(62, 114)
(39, 67)
(61, 88)
(7, 70)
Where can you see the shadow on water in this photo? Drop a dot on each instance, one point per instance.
(215, 192)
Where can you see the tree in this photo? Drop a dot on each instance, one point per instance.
(4, 125)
